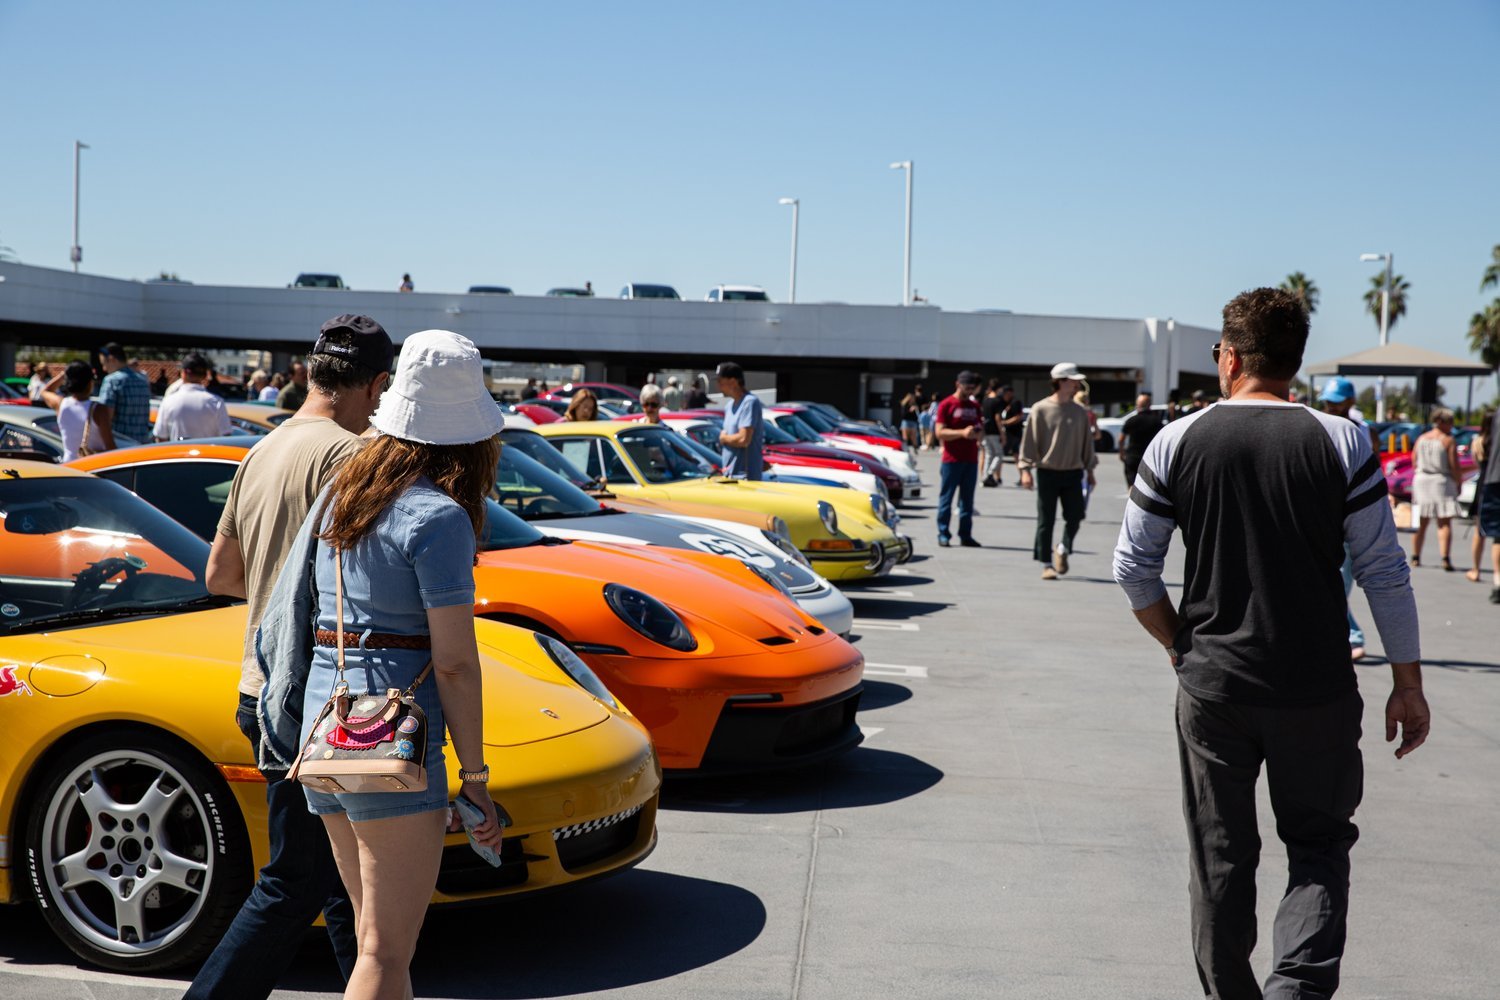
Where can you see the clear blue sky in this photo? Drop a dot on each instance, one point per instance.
(1078, 158)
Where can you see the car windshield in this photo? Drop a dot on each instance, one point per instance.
(655, 292)
(705, 433)
(543, 453)
(504, 530)
(80, 548)
(797, 428)
(816, 421)
(731, 295)
(532, 491)
(703, 449)
(663, 456)
(774, 434)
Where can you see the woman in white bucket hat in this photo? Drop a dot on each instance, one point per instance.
(405, 514)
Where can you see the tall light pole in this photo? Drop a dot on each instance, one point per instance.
(1385, 319)
(76, 253)
(906, 270)
(795, 206)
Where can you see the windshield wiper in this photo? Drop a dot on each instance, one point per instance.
(85, 615)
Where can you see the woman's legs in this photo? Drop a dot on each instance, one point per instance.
(1416, 542)
(397, 869)
(345, 855)
(1445, 540)
(1477, 550)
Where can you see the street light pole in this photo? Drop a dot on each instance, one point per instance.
(1385, 319)
(795, 206)
(75, 254)
(906, 269)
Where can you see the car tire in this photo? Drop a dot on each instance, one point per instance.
(135, 852)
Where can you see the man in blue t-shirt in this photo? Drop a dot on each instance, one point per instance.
(742, 440)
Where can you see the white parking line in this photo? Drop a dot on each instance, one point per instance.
(899, 571)
(71, 974)
(865, 623)
(895, 670)
(869, 732)
(879, 593)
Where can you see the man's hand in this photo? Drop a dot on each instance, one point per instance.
(974, 431)
(1407, 706)
(1026, 482)
(1092, 481)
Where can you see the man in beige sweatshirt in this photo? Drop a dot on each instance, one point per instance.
(1057, 454)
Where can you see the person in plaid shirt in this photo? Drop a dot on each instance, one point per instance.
(126, 396)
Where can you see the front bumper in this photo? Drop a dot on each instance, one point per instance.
(871, 559)
(750, 737)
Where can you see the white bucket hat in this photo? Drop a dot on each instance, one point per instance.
(1066, 369)
(438, 394)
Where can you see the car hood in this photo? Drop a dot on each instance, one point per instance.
(520, 681)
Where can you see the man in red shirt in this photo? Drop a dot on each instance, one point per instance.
(960, 427)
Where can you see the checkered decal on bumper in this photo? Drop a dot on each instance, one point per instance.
(592, 825)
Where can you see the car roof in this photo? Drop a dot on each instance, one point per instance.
(601, 428)
(230, 449)
(25, 469)
(25, 416)
(741, 288)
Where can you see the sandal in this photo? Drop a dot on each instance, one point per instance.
(1416, 560)
(1472, 575)
(1447, 565)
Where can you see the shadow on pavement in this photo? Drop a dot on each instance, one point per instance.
(862, 777)
(894, 609)
(882, 694)
(1466, 665)
(635, 928)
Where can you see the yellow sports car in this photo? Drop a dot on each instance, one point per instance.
(131, 811)
(844, 533)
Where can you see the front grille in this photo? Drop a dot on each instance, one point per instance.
(752, 737)
(463, 871)
(585, 844)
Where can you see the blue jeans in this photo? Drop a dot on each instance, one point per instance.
(300, 880)
(957, 477)
(1356, 634)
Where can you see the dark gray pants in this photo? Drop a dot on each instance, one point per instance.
(1316, 778)
(1052, 486)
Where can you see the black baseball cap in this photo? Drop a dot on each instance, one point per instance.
(358, 339)
(967, 377)
(729, 369)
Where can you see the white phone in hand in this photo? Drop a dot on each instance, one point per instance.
(471, 816)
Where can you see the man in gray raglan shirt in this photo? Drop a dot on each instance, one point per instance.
(1267, 493)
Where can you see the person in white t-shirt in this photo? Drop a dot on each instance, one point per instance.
(68, 392)
(192, 411)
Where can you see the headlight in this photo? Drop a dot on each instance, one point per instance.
(828, 516)
(779, 528)
(650, 617)
(881, 508)
(786, 547)
(571, 664)
(771, 578)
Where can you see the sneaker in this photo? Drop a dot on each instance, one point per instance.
(1060, 560)
(1049, 573)
(969, 543)
(989, 483)
(1495, 596)
(943, 542)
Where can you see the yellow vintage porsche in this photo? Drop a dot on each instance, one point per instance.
(131, 811)
(844, 533)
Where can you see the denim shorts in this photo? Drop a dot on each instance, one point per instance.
(360, 806)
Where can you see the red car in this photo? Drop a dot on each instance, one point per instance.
(601, 390)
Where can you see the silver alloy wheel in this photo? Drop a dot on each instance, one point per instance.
(128, 852)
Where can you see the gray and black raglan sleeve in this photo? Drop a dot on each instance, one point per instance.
(1149, 522)
(1370, 533)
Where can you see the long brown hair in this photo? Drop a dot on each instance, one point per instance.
(579, 398)
(370, 480)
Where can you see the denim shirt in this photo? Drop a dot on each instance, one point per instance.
(284, 649)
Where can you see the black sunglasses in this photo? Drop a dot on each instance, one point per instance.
(1215, 352)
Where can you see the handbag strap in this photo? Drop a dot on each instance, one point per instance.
(338, 589)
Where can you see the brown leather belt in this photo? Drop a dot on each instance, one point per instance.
(375, 640)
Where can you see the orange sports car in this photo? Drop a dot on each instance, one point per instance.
(724, 669)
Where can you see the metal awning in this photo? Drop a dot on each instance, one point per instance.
(1400, 359)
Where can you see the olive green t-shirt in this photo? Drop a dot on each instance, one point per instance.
(272, 492)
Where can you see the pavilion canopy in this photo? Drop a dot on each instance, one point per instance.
(1399, 359)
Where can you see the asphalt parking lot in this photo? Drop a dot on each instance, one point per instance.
(1010, 827)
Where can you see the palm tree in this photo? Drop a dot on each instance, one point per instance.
(1484, 334)
(1399, 288)
(1492, 273)
(1306, 289)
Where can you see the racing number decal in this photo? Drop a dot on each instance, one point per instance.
(721, 546)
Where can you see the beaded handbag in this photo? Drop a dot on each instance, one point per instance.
(369, 743)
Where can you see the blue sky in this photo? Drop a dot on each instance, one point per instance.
(1077, 158)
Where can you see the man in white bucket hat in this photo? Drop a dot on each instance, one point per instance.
(438, 395)
(1057, 452)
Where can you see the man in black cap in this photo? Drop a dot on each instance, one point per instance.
(742, 440)
(959, 427)
(272, 493)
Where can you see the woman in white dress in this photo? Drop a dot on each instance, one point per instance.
(77, 414)
(1434, 487)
